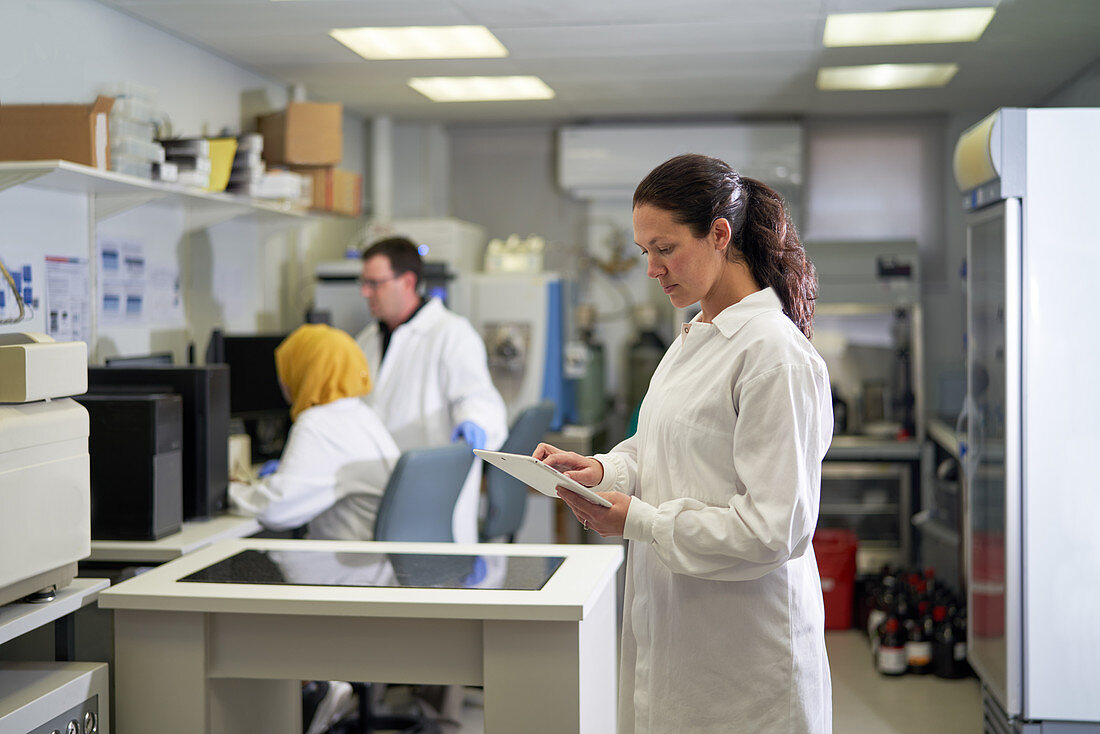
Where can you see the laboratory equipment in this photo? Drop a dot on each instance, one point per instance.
(1029, 466)
(140, 360)
(519, 315)
(136, 449)
(48, 697)
(645, 353)
(44, 525)
(338, 297)
(205, 393)
(867, 329)
(458, 244)
(586, 368)
(337, 294)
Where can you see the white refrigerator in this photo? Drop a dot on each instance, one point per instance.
(1033, 431)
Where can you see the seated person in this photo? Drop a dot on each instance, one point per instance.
(338, 455)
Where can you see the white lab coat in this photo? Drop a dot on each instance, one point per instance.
(435, 376)
(334, 468)
(723, 627)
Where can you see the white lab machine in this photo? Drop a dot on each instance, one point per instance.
(52, 697)
(1030, 463)
(45, 525)
(337, 295)
(451, 248)
(519, 315)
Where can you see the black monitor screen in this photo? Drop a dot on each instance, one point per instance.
(253, 385)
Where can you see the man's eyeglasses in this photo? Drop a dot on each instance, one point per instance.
(373, 284)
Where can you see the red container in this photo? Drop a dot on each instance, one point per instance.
(835, 549)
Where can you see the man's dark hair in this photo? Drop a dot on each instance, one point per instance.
(402, 254)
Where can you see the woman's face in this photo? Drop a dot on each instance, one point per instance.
(687, 267)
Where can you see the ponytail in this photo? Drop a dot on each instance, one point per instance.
(769, 246)
(699, 189)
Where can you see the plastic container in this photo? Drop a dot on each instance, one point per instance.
(835, 549)
(222, 151)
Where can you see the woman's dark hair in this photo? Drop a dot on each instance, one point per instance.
(698, 189)
(402, 253)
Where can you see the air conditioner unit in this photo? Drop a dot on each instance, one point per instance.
(608, 161)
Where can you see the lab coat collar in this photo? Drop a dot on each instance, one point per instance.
(734, 317)
(427, 317)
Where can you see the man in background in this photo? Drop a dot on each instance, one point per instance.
(432, 383)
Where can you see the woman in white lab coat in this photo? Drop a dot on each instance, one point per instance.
(718, 491)
(338, 455)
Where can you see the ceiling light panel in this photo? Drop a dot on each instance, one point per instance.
(422, 42)
(481, 88)
(950, 25)
(885, 76)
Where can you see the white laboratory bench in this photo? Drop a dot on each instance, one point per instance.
(229, 657)
(194, 534)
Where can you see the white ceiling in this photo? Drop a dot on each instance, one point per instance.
(632, 59)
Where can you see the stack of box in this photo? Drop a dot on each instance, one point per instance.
(191, 158)
(250, 176)
(133, 126)
(307, 138)
(248, 165)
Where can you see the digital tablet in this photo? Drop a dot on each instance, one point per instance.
(539, 476)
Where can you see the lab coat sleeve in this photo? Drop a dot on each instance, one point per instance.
(469, 389)
(778, 445)
(297, 492)
(620, 468)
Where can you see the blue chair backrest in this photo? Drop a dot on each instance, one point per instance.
(419, 501)
(507, 496)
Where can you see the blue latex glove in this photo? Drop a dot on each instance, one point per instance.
(269, 467)
(471, 433)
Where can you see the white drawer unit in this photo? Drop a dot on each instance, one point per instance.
(54, 698)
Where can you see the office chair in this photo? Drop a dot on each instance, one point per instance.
(507, 496)
(419, 500)
(417, 506)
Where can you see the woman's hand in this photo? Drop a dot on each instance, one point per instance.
(583, 469)
(607, 521)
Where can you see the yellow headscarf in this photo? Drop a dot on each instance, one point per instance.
(320, 364)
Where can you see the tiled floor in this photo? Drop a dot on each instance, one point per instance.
(864, 702)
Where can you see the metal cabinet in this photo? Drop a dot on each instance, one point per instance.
(872, 499)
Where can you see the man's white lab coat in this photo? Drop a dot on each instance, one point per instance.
(334, 468)
(435, 375)
(723, 626)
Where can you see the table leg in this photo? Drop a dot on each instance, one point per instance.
(161, 676)
(552, 677)
(160, 672)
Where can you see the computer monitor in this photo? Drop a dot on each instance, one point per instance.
(253, 382)
(255, 397)
(140, 360)
(205, 393)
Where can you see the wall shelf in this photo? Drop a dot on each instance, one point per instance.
(117, 192)
(19, 618)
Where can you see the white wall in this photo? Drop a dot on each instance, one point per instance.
(241, 275)
(68, 51)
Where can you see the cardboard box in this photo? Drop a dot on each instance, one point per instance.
(304, 134)
(346, 193)
(70, 132)
(334, 189)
